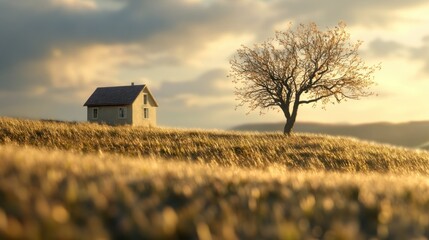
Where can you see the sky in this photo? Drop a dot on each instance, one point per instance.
(55, 53)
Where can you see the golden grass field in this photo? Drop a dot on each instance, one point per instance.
(87, 181)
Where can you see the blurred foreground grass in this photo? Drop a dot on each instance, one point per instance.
(59, 195)
(85, 181)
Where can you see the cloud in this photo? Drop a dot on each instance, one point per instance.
(55, 52)
(388, 48)
(365, 12)
(77, 4)
(92, 64)
(205, 84)
(196, 102)
(167, 32)
(170, 32)
(422, 54)
(385, 48)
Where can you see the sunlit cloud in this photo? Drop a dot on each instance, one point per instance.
(91, 64)
(386, 48)
(191, 100)
(217, 52)
(415, 56)
(76, 4)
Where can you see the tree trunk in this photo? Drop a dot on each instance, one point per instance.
(288, 126)
(290, 117)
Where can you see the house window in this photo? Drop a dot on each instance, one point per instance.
(95, 113)
(146, 112)
(145, 99)
(122, 111)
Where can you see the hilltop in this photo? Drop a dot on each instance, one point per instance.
(250, 149)
(410, 134)
(86, 181)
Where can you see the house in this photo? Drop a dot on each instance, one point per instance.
(133, 105)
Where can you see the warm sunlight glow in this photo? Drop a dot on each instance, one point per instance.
(416, 14)
(191, 100)
(97, 63)
(217, 52)
(193, 1)
(77, 4)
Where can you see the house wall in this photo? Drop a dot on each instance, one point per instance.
(135, 112)
(110, 115)
(138, 112)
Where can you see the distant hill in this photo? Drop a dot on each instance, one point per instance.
(410, 134)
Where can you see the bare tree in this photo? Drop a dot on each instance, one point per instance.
(300, 66)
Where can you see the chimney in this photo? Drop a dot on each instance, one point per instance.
(132, 83)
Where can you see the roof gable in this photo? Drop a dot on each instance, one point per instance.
(151, 96)
(114, 96)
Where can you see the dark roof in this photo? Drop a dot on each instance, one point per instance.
(114, 96)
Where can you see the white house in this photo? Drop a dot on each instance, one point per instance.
(133, 105)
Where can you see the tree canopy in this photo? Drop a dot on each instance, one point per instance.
(298, 66)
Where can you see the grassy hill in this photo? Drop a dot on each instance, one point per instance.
(86, 181)
(299, 152)
(411, 134)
